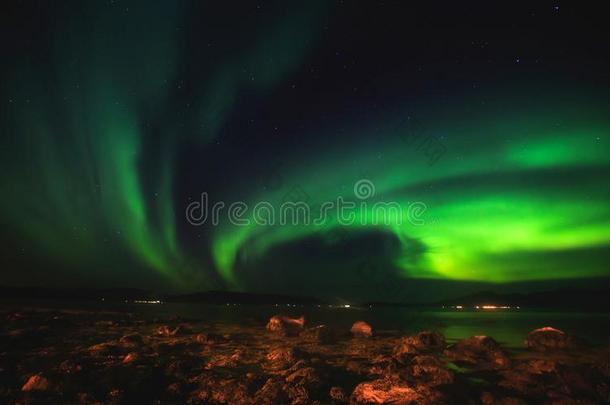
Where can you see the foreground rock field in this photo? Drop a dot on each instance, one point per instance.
(81, 357)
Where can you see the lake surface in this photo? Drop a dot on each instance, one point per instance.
(509, 327)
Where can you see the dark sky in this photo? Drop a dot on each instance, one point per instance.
(467, 144)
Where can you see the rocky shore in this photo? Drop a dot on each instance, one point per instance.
(81, 357)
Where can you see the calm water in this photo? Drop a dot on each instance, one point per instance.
(509, 327)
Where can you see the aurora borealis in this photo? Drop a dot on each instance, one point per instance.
(118, 114)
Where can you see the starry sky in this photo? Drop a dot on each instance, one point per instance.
(116, 115)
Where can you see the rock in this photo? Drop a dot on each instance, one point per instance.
(70, 367)
(423, 342)
(430, 371)
(306, 376)
(549, 338)
(167, 331)
(384, 391)
(303, 385)
(209, 338)
(164, 331)
(487, 398)
(559, 382)
(230, 391)
(36, 383)
(104, 349)
(280, 358)
(337, 395)
(15, 316)
(131, 340)
(320, 334)
(361, 329)
(286, 326)
(130, 358)
(224, 360)
(382, 365)
(270, 393)
(541, 366)
(480, 351)
(177, 369)
(174, 389)
(298, 395)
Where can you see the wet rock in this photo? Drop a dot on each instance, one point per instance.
(361, 329)
(36, 383)
(480, 351)
(337, 395)
(280, 358)
(384, 391)
(286, 326)
(549, 338)
(423, 342)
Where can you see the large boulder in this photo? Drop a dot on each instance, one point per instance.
(395, 392)
(479, 351)
(286, 326)
(361, 329)
(549, 338)
(383, 392)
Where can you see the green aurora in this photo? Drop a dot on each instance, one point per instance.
(93, 181)
(533, 206)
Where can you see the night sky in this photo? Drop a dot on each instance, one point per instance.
(493, 117)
